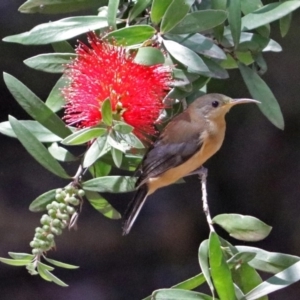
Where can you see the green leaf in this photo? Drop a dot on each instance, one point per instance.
(177, 294)
(39, 204)
(100, 168)
(245, 228)
(117, 156)
(200, 21)
(138, 8)
(121, 127)
(22, 256)
(260, 91)
(234, 19)
(220, 271)
(110, 184)
(59, 6)
(50, 62)
(55, 100)
(112, 13)
(60, 264)
(53, 278)
(45, 267)
(204, 265)
(219, 30)
(41, 268)
(131, 140)
(190, 283)
(35, 107)
(268, 13)
(279, 281)
(182, 77)
(101, 205)
(39, 131)
(215, 70)
(15, 262)
(96, 150)
(271, 262)
(132, 35)
(246, 278)
(200, 44)
(240, 258)
(36, 149)
(175, 12)
(60, 153)
(158, 9)
(84, 135)
(285, 23)
(60, 30)
(149, 56)
(106, 112)
(248, 6)
(187, 57)
(62, 47)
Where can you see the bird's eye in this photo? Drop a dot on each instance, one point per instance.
(215, 104)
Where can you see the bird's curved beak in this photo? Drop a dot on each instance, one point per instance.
(242, 100)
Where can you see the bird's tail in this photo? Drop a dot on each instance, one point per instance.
(134, 208)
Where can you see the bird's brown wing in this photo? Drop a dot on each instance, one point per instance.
(178, 142)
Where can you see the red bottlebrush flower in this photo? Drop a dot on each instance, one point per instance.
(107, 71)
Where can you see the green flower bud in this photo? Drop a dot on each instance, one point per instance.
(74, 201)
(38, 235)
(62, 206)
(52, 213)
(58, 191)
(56, 231)
(45, 220)
(69, 189)
(39, 229)
(55, 204)
(59, 197)
(56, 223)
(81, 193)
(35, 251)
(50, 237)
(49, 206)
(34, 244)
(46, 228)
(70, 210)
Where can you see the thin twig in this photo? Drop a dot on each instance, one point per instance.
(203, 177)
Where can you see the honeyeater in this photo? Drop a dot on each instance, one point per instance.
(188, 140)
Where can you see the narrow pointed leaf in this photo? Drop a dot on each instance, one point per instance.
(62, 47)
(279, 281)
(204, 265)
(132, 35)
(190, 283)
(219, 5)
(246, 278)
(59, 6)
(39, 204)
(96, 150)
(261, 92)
(138, 8)
(14, 262)
(248, 6)
(245, 228)
(220, 271)
(35, 107)
(106, 112)
(111, 184)
(55, 100)
(268, 13)
(39, 131)
(117, 156)
(60, 153)
(149, 56)
(271, 262)
(285, 24)
(23, 256)
(60, 264)
(175, 12)
(41, 270)
(55, 279)
(102, 205)
(36, 149)
(84, 135)
(50, 62)
(177, 294)
(132, 140)
(122, 127)
(112, 13)
(200, 21)
(100, 168)
(158, 9)
(234, 19)
(60, 30)
(187, 57)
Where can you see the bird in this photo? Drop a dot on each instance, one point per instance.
(182, 147)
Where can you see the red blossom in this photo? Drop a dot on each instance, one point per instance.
(107, 71)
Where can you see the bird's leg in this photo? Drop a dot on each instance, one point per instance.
(202, 172)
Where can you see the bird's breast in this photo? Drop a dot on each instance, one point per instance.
(212, 140)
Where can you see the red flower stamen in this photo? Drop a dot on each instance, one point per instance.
(107, 71)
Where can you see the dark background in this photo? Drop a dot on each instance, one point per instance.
(256, 173)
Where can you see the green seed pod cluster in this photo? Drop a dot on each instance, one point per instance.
(59, 213)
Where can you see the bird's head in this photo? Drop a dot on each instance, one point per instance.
(214, 106)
